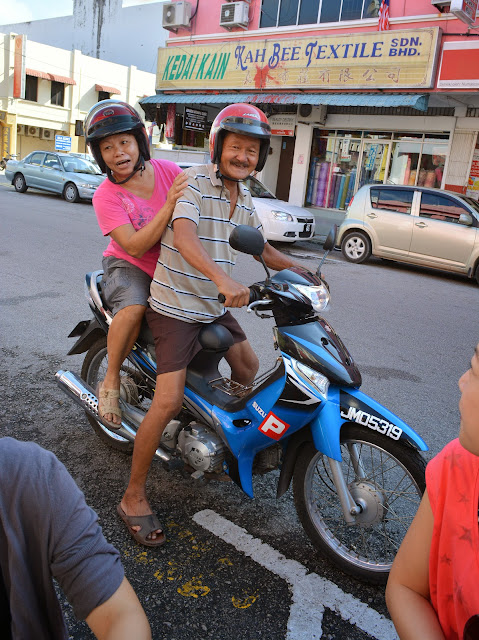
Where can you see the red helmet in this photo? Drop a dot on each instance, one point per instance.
(108, 117)
(244, 119)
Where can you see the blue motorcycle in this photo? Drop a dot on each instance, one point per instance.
(356, 470)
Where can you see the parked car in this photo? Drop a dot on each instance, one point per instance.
(282, 222)
(70, 176)
(419, 225)
(85, 156)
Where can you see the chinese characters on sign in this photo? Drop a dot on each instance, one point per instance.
(388, 59)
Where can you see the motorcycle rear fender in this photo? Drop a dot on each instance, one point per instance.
(89, 332)
(353, 406)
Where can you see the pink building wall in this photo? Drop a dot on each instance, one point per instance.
(206, 21)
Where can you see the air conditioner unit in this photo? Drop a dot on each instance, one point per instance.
(234, 14)
(32, 131)
(46, 134)
(175, 15)
(20, 129)
(441, 5)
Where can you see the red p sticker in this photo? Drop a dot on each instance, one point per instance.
(273, 427)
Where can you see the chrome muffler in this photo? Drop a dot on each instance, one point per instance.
(84, 396)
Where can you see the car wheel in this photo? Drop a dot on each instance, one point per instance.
(70, 193)
(356, 247)
(476, 274)
(19, 183)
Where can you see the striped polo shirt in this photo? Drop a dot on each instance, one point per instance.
(179, 290)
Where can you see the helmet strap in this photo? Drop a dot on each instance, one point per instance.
(139, 166)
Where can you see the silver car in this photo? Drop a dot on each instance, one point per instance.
(422, 226)
(68, 175)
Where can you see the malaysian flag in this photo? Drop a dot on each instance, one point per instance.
(383, 23)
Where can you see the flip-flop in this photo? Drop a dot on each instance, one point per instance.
(105, 405)
(147, 523)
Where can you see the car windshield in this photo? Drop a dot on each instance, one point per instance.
(472, 203)
(78, 165)
(257, 189)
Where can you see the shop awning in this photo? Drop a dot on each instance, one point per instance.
(49, 76)
(414, 100)
(103, 87)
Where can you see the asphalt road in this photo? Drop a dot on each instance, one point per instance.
(232, 566)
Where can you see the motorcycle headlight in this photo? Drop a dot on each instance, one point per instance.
(282, 216)
(318, 296)
(319, 382)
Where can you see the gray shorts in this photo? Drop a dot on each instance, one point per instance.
(124, 284)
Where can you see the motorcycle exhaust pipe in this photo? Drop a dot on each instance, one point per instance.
(84, 396)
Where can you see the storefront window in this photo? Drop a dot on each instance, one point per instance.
(404, 162)
(343, 176)
(343, 161)
(374, 161)
(322, 159)
(431, 168)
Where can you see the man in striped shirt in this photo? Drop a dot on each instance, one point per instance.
(195, 265)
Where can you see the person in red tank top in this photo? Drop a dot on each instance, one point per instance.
(432, 589)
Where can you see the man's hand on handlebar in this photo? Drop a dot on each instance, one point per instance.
(233, 294)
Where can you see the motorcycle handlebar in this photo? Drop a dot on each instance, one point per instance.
(253, 296)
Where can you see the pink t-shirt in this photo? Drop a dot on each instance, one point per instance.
(115, 206)
(452, 480)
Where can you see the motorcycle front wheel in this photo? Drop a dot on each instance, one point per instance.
(133, 390)
(386, 480)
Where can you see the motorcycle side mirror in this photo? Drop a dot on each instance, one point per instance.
(331, 238)
(329, 244)
(247, 240)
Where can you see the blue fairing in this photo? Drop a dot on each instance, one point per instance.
(326, 426)
(245, 442)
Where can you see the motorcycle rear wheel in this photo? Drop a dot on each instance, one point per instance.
(388, 486)
(133, 390)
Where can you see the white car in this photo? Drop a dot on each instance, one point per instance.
(282, 222)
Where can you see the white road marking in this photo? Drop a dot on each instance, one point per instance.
(311, 594)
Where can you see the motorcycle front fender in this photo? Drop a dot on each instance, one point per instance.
(89, 332)
(354, 406)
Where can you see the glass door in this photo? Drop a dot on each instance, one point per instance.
(374, 162)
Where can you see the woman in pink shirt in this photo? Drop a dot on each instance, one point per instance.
(432, 592)
(133, 207)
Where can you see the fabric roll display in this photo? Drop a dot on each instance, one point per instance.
(407, 173)
(430, 179)
(322, 184)
(352, 182)
(342, 182)
(342, 204)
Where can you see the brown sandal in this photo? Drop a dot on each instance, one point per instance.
(105, 404)
(148, 524)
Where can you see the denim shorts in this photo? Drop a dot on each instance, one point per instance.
(124, 284)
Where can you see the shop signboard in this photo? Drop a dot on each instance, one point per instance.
(375, 60)
(19, 67)
(465, 10)
(63, 143)
(473, 182)
(282, 124)
(459, 66)
(195, 119)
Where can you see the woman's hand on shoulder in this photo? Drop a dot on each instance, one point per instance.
(177, 189)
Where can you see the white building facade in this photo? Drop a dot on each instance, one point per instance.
(46, 91)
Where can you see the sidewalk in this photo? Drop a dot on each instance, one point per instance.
(325, 218)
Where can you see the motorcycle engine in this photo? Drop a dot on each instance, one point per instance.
(201, 448)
